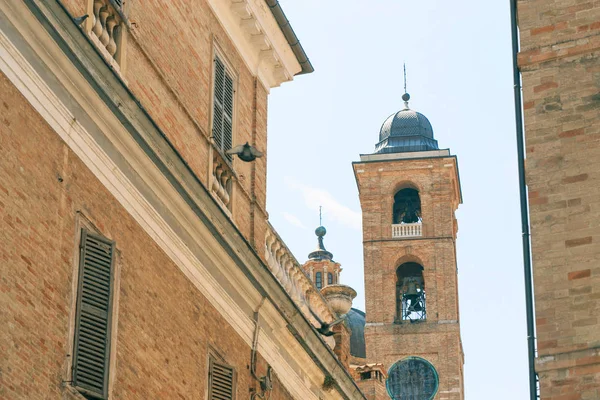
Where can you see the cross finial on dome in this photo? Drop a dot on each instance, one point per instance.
(405, 96)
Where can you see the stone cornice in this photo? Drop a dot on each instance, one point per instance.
(257, 36)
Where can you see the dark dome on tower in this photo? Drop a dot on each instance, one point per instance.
(404, 131)
(356, 321)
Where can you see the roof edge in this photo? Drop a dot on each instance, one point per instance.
(290, 36)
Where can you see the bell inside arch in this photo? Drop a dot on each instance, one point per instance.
(407, 207)
(410, 293)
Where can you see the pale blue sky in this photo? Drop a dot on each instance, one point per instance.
(459, 75)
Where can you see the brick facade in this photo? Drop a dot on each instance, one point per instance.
(125, 150)
(560, 67)
(437, 339)
(166, 328)
(170, 51)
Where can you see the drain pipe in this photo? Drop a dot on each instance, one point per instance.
(255, 339)
(524, 205)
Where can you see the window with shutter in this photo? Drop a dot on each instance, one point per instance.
(91, 351)
(221, 379)
(223, 108)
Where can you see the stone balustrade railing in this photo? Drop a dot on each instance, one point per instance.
(288, 271)
(222, 181)
(106, 27)
(407, 230)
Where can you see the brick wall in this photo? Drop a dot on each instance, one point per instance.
(438, 338)
(169, 68)
(373, 389)
(165, 326)
(561, 84)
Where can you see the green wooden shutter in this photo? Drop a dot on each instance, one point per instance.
(91, 351)
(221, 381)
(223, 108)
(228, 115)
(218, 103)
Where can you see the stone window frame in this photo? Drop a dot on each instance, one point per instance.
(83, 222)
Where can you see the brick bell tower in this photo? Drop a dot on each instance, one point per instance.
(409, 190)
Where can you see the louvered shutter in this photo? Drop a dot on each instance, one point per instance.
(228, 115)
(223, 108)
(218, 103)
(221, 378)
(93, 321)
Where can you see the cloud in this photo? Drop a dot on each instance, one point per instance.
(292, 219)
(315, 197)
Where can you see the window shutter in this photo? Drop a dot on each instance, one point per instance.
(93, 320)
(228, 120)
(218, 103)
(221, 383)
(223, 109)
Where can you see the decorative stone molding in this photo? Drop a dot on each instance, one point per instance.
(288, 271)
(407, 230)
(222, 181)
(339, 297)
(107, 29)
(257, 36)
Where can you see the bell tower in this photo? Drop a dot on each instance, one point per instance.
(409, 190)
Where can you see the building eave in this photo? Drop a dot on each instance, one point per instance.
(291, 37)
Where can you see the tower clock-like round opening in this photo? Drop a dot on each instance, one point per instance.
(412, 378)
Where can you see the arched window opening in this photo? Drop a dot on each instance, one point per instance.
(329, 278)
(407, 207)
(410, 293)
(319, 280)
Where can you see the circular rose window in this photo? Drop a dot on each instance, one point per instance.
(412, 379)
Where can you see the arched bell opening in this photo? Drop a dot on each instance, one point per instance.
(407, 207)
(410, 293)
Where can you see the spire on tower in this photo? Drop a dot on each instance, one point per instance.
(405, 96)
(320, 215)
(320, 252)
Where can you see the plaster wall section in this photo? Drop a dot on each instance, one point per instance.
(560, 65)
